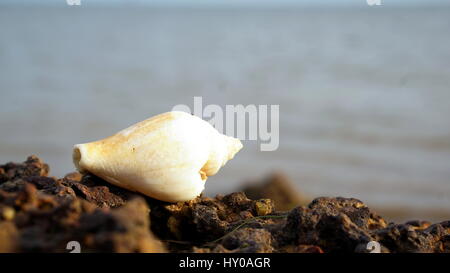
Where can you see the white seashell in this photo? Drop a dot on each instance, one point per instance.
(167, 157)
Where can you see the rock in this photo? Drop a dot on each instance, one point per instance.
(340, 234)
(334, 224)
(73, 176)
(39, 213)
(356, 210)
(441, 232)
(279, 189)
(47, 224)
(9, 236)
(33, 166)
(42, 214)
(406, 238)
(51, 186)
(249, 240)
(301, 249)
(96, 190)
(7, 213)
(263, 207)
(418, 224)
(122, 230)
(204, 219)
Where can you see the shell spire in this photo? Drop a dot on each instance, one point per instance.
(234, 145)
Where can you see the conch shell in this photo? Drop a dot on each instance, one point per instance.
(167, 157)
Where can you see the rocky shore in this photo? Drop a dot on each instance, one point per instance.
(40, 213)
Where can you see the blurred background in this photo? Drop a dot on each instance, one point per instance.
(364, 91)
